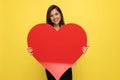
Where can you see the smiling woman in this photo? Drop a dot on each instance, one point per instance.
(54, 18)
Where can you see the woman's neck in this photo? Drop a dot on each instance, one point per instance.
(56, 27)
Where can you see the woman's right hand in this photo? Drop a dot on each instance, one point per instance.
(30, 50)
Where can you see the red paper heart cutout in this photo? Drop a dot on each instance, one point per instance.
(57, 50)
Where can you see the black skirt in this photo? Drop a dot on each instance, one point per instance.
(66, 76)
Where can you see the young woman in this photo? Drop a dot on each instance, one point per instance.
(54, 17)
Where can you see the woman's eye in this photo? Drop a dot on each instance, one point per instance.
(56, 13)
(51, 15)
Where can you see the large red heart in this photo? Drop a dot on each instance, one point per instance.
(57, 50)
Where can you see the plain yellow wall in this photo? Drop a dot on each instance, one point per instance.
(99, 18)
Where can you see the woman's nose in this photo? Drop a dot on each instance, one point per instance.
(54, 16)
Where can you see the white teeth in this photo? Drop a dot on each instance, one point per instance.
(55, 20)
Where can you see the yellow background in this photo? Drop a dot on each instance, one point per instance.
(99, 18)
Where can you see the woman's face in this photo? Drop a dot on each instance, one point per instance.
(55, 16)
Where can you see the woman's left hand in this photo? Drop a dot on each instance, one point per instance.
(84, 49)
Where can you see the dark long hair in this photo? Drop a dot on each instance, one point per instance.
(48, 21)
